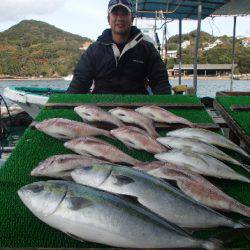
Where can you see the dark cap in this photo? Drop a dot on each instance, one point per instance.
(124, 3)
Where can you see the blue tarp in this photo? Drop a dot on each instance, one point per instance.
(177, 9)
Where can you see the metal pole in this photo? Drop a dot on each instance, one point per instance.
(180, 52)
(136, 11)
(234, 38)
(197, 47)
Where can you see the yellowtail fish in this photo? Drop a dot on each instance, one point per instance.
(90, 214)
(153, 193)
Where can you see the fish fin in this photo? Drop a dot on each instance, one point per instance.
(122, 180)
(79, 202)
(130, 198)
(75, 237)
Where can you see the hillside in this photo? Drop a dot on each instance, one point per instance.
(35, 48)
(219, 54)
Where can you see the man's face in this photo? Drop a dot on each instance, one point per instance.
(120, 20)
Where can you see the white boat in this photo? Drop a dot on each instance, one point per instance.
(68, 78)
(30, 99)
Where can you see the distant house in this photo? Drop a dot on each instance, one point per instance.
(212, 45)
(172, 53)
(246, 42)
(204, 69)
(185, 44)
(169, 54)
(85, 45)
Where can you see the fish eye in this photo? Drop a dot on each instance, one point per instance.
(88, 168)
(36, 188)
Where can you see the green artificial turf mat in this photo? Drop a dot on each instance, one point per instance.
(241, 117)
(20, 228)
(90, 98)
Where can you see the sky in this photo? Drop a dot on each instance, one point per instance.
(89, 18)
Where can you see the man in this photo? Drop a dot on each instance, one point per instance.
(120, 61)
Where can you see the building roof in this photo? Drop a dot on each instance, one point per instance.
(205, 66)
(247, 40)
(176, 9)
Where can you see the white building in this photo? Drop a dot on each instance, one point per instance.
(212, 45)
(185, 44)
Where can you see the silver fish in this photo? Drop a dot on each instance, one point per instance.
(162, 115)
(195, 186)
(90, 214)
(196, 146)
(137, 138)
(207, 137)
(152, 193)
(61, 128)
(202, 164)
(130, 116)
(60, 166)
(100, 149)
(92, 113)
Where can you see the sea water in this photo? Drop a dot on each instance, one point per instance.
(207, 87)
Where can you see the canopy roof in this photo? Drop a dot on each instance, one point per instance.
(234, 7)
(176, 9)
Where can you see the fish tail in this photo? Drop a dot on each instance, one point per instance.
(33, 124)
(246, 167)
(109, 135)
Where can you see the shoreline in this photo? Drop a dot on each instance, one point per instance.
(30, 78)
(170, 78)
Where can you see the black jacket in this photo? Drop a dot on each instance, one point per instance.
(127, 72)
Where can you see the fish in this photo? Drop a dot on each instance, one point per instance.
(196, 146)
(153, 193)
(66, 129)
(100, 149)
(93, 113)
(130, 116)
(90, 214)
(137, 138)
(195, 186)
(60, 166)
(207, 137)
(202, 164)
(162, 115)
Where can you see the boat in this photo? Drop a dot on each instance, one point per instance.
(30, 99)
(68, 78)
